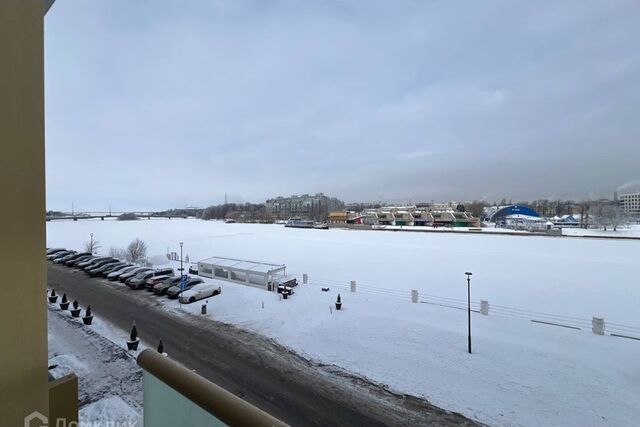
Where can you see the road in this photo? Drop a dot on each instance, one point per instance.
(268, 375)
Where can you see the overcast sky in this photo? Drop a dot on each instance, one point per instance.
(157, 104)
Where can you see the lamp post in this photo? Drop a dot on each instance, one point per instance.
(91, 244)
(181, 269)
(469, 308)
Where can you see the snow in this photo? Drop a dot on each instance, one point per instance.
(109, 380)
(630, 231)
(110, 408)
(521, 373)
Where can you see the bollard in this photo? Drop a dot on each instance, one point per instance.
(305, 278)
(353, 286)
(203, 310)
(414, 295)
(597, 325)
(484, 307)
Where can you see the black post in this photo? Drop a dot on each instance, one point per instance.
(181, 269)
(469, 308)
(91, 244)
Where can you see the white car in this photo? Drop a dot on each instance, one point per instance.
(201, 291)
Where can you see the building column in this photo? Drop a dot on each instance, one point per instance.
(23, 359)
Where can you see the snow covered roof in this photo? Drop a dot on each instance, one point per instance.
(245, 265)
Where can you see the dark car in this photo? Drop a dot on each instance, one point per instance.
(170, 281)
(70, 257)
(104, 267)
(193, 269)
(54, 250)
(57, 258)
(113, 268)
(98, 263)
(74, 262)
(59, 254)
(124, 277)
(138, 282)
(150, 283)
(63, 258)
(115, 275)
(174, 291)
(161, 288)
(91, 260)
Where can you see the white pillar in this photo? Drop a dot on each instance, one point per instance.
(597, 325)
(353, 286)
(414, 295)
(305, 278)
(484, 307)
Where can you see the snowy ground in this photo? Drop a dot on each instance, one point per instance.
(521, 373)
(109, 380)
(630, 231)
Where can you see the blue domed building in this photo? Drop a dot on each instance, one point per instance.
(518, 217)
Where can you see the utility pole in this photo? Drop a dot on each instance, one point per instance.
(469, 309)
(225, 198)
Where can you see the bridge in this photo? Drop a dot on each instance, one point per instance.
(102, 215)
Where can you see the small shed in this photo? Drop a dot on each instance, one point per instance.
(252, 273)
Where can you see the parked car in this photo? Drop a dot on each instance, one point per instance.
(124, 277)
(175, 291)
(193, 269)
(54, 250)
(115, 275)
(198, 292)
(74, 262)
(70, 257)
(150, 283)
(138, 282)
(100, 263)
(59, 254)
(115, 269)
(94, 272)
(90, 261)
(161, 288)
(63, 257)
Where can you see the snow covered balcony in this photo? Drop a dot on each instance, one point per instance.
(177, 396)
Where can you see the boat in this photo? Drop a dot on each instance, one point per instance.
(321, 226)
(299, 223)
(229, 221)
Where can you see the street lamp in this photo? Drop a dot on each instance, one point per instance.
(91, 244)
(469, 308)
(181, 269)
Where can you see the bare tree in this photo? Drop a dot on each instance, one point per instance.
(118, 253)
(136, 251)
(616, 216)
(92, 246)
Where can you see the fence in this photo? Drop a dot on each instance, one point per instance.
(596, 324)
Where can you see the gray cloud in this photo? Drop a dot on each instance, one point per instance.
(154, 104)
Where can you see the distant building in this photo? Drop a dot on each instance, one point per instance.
(338, 217)
(630, 202)
(518, 217)
(306, 206)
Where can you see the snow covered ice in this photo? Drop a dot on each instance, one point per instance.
(521, 373)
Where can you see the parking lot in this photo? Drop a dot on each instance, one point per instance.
(268, 375)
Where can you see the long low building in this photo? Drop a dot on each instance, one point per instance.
(252, 273)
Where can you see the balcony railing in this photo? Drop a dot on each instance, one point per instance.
(174, 396)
